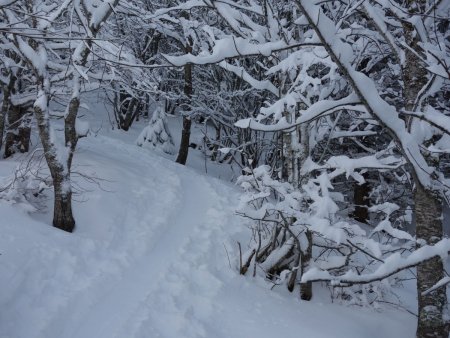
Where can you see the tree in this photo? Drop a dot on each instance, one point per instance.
(38, 51)
(345, 39)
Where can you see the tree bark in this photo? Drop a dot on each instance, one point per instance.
(184, 145)
(127, 114)
(186, 132)
(428, 210)
(306, 288)
(361, 199)
(428, 206)
(62, 212)
(5, 105)
(18, 132)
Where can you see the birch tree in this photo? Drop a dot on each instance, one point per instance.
(56, 51)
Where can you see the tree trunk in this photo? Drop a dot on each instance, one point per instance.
(293, 160)
(428, 210)
(62, 212)
(19, 131)
(361, 199)
(127, 113)
(428, 206)
(184, 145)
(306, 288)
(2, 117)
(5, 105)
(186, 132)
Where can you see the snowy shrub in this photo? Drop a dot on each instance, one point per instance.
(157, 133)
(355, 259)
(27, 184)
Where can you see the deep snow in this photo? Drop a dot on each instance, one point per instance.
(154, 254)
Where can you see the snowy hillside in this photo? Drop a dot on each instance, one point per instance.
(153, 255)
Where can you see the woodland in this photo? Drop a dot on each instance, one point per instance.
(333, 115)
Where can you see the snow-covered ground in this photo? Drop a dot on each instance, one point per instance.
(153, 255)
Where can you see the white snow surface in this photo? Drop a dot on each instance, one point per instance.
(149, 258)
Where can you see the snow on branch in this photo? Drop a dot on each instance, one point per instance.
(231, 47)
(365, 89)
(392, 265)
(348, 165)
(4, 3)
(242, 73)
(319, 109)
(444, 281)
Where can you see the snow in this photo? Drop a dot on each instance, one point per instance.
(4, 3)
(383, 111)
(231, 47)
(149, 257)
(82, 127)
(240, 71)
(390, 266)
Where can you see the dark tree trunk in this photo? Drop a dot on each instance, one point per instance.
(2, 118)
(19, 131)
(186, 132)
(361, 199)
(306, 288)
(184, 145)
(5, 105)
(62, 212)
(128, 113)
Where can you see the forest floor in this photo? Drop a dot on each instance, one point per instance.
(154, 254)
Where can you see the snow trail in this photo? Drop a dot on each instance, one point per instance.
(148, 260)
(139, 283)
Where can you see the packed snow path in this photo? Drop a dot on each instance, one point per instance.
(149, 258)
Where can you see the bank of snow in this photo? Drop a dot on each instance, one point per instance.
(151, 257)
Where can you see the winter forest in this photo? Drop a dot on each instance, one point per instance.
(224, 168)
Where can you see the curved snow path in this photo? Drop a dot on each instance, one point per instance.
(148, 260)
(178, 235)
(146, 278)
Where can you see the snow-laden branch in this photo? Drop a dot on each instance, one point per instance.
(315, 111)
(365, 89)
(242, 73)
(433, 117)
(392, 265)
(379, 19)
(4, 3)
(443, 282)
(349, 165)
(231, 47)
